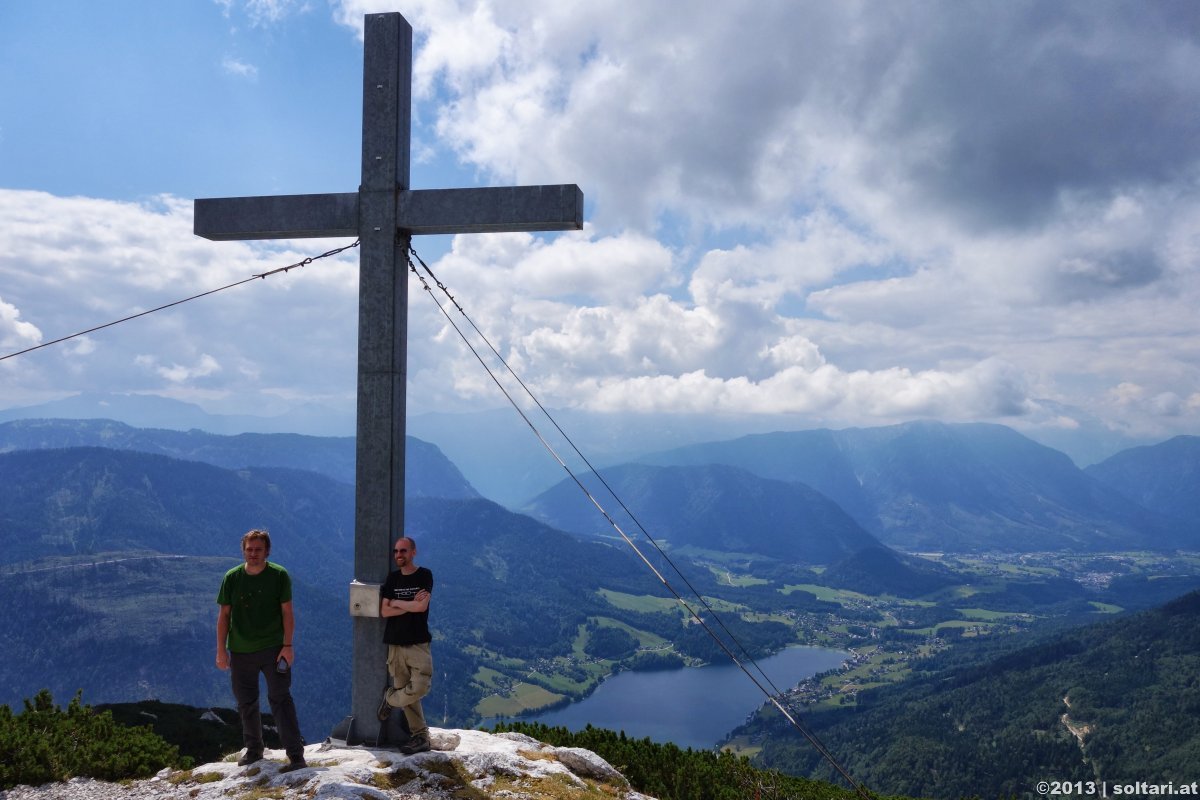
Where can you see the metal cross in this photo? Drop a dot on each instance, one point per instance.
(384, 213)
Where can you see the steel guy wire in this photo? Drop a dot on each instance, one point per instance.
(302, 263)
(772, 698)
(593, 469)
(612, 492)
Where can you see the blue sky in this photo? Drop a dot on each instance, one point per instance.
(827, 214)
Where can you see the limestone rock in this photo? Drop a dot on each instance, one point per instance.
(462, 763)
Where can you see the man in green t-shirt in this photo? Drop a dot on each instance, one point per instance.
(255, 630)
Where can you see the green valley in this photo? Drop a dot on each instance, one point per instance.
(885, 634)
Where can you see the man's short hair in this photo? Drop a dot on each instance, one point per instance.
(257, 533)
(409, 539)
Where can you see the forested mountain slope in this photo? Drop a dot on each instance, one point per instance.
(91, 500)
(710, 507)
(1164, 477)
(1115, 701)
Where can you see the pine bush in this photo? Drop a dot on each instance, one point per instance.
(46, 743)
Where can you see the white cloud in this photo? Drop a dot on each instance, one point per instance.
(840, 210)
(74, 263)
(79, 347)
(262, 13)
(238, 68)
(178, 373)
(987, 390)
(14, 333)
(810, 256)
(922, 192)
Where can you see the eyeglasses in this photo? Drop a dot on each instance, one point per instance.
(401, 550)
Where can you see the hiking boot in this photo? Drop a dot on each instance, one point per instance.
(249, 758)
(417, 744)
(385, 708)
(293, 764)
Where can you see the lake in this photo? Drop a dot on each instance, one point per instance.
(690, 706)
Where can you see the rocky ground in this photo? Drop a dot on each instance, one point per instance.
(463, 765)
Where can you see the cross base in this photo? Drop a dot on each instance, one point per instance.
(392, 733)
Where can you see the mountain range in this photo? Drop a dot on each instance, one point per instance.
(333, 457)
(154, 411)
(811, 496)
(112, 540)
(494, 449)
(926, 486)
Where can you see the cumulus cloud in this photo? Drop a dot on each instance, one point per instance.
(15, 333)
(850, 212)
(75, 263)
(178, 373)
(986, 114)
(986, 390)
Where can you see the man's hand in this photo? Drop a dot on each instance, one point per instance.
(288, 652)
(222, 659)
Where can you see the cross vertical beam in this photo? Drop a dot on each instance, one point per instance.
(382, 340)
(384, 213)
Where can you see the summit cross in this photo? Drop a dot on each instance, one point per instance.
(384, 214)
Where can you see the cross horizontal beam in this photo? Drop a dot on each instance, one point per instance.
(289, 216)
(556, 207)
(491, 210)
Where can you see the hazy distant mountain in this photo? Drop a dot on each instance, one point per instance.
(504, 460)
(1163, 477)
(713, 507)
(429, 474)
(152, 411)
(494, 448)
(928, 486)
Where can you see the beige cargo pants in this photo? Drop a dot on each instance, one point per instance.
(411, 668)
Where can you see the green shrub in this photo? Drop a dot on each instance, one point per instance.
(670, 773)
(46, 743)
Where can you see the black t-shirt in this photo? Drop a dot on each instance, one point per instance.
(413, 627)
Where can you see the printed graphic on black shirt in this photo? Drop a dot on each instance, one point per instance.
(405, 592)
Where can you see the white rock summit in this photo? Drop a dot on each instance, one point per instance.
(463, 764)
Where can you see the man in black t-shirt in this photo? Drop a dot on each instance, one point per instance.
(404, 603)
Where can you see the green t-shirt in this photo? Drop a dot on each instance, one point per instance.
(255, 619)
